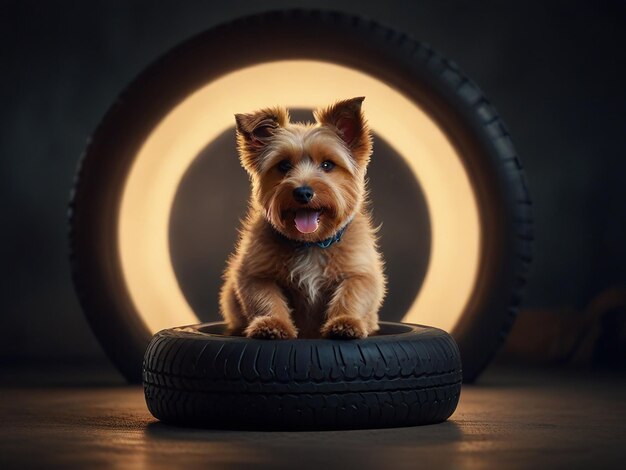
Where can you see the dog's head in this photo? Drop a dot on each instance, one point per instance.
(309, 179)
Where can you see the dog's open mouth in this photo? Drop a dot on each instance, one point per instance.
(307, 220)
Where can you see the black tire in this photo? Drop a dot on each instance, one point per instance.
(437, 84)
(407, 375)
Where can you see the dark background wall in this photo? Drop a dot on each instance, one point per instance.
(556, 71)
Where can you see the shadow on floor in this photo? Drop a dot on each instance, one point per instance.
(368, 447)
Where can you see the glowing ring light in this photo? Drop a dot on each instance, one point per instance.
(185, 131)
(119, 224)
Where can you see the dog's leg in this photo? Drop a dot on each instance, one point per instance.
(267, 310)
(231, 308)
(353, 309)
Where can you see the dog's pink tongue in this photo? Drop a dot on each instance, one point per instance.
(306, 221)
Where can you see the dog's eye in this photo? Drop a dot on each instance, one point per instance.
(284, 166)
(327, 165)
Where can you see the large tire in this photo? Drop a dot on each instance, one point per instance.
(406, 375)
(442, 90)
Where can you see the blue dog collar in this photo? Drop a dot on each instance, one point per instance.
(336, 238)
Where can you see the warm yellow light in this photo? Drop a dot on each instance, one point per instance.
(205, 114)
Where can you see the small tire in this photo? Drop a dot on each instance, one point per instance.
(406, 375)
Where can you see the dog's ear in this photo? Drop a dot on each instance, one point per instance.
(255, 130)
(347, 120)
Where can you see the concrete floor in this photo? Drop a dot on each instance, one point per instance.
(511, 419)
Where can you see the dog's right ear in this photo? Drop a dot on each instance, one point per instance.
(255, 131)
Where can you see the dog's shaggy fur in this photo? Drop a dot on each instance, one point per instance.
(279, 283)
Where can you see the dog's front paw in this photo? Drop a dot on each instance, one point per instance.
(270, 328)
(344, 327)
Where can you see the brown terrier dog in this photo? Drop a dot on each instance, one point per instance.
(307, 261)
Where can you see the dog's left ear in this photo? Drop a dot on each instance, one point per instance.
(347, 120)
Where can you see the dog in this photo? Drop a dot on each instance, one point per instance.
(307, 263)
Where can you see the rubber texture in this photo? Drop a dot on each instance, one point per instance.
(209, 380)
(437, 84)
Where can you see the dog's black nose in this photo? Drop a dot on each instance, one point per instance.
(303, 194)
